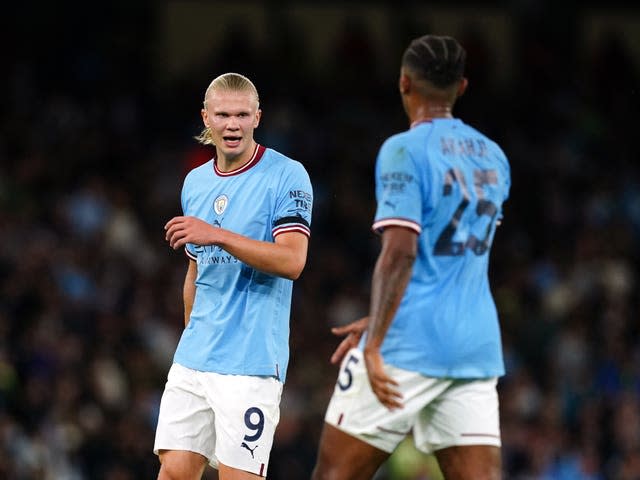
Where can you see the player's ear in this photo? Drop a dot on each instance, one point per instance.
(404, 84)
(464, 83)
(258, 116)
(205, 117)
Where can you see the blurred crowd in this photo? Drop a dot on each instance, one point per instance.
(93, 151)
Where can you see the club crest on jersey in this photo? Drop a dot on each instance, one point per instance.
(220, 204)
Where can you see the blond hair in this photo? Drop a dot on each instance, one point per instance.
(234, 82)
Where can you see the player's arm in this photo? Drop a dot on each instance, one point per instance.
(189, 290)
(390, 278)
(285, 257)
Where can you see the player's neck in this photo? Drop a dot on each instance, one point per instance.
(425, 112)
(228, 163)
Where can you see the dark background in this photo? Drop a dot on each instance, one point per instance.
(98, 109)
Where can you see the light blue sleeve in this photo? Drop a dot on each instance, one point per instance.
(294, 203)
(398, 191)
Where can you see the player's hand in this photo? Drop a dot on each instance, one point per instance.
(182, 230)
(382, 384)
(353, 332)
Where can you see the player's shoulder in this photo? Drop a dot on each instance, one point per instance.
(196, 173)
(494, 149)
(398, 142)
(398, 139)
(282, 162)
(275, 156)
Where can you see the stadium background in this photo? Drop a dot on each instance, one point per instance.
(99, 103)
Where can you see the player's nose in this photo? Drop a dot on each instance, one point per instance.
(233, 123)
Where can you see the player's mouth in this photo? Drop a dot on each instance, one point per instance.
(231, 141)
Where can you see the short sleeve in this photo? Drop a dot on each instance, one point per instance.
(295, 202)
(398, 192)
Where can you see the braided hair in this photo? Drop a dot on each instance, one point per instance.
(436, 59)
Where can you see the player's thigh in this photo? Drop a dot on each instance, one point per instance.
(466, 413)
(344, 457)
(359, 432)
(185, 420)
(247, 411)
(230, 473)
(356, 410)
(480, 462)
(462, 427)
(181, 465)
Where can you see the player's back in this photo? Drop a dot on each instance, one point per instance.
(448, 182)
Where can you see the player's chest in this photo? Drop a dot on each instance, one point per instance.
(242, 207)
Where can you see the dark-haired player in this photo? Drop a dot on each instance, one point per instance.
(430, 355)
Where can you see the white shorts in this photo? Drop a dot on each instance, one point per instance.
(229, 419)
(440, 412)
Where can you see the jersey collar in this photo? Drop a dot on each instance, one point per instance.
(255, 158)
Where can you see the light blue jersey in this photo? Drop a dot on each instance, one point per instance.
(447, 182)
(239, 323)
